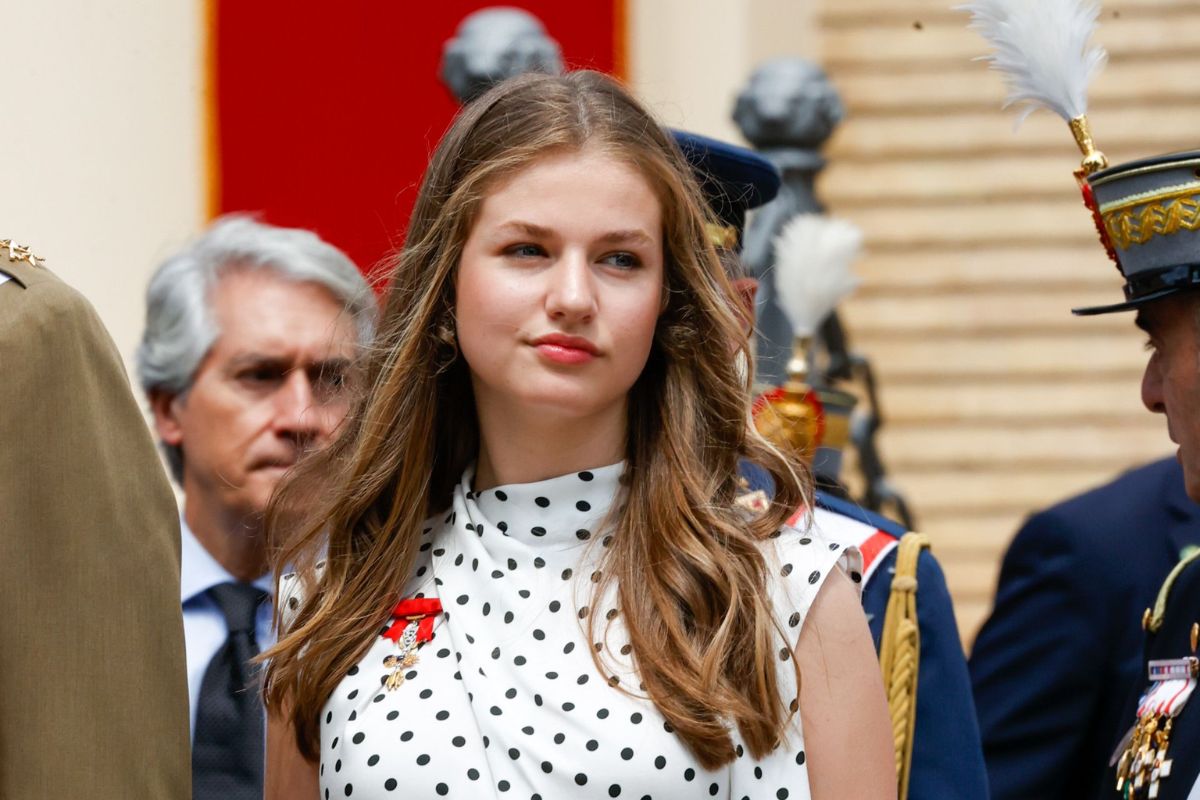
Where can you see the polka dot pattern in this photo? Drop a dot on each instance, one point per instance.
(506, 701)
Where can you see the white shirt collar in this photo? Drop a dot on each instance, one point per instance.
(199, 571)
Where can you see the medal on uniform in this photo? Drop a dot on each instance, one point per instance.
(412, 626)
(1144, 763)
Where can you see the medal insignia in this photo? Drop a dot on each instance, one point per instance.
(412, 626)
(1144, 763)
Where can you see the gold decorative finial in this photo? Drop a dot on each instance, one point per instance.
(1093, 159)
(792, 417)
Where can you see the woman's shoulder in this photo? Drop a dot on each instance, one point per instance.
(800, 557)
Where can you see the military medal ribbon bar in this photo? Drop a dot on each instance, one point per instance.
(1174, 668)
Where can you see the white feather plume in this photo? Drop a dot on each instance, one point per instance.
(813, 256)
(1042, 47)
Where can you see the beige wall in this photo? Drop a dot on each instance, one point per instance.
(101, 150)
(689, 58)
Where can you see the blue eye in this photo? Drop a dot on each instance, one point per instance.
(525, 251)
(623, 260)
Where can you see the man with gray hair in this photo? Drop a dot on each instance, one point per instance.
(251, 334)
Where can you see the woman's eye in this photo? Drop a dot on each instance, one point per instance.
(623, 260)
(525, 251)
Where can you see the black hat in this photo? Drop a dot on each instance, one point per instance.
(1148, 215)
(734, 180)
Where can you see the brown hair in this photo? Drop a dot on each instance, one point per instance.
(688, 564)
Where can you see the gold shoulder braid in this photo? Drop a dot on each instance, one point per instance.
(900, 653)
(18, 252)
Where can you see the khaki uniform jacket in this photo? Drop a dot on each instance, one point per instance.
(93, 693)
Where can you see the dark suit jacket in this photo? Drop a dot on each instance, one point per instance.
(1172, 641)
(1051, 665)
(93, 695)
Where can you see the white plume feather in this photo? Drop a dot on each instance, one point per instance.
(813, 256)
(1042, 48)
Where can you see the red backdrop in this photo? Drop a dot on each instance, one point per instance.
(323, 115)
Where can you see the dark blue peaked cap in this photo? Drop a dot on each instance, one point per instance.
(734, 179)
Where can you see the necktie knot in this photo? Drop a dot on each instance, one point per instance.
(239, 603)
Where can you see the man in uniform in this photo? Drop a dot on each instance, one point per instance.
(946, 758)
(91, 643)
(1147, 216)
(251, 335)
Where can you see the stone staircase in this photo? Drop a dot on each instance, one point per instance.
(998, 401)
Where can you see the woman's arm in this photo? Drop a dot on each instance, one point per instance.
(843, 708)
(289, 775)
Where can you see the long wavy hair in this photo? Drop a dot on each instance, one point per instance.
(688, 564)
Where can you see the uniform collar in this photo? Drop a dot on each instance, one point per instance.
(199, 571)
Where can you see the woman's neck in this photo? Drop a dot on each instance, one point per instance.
(528, 445)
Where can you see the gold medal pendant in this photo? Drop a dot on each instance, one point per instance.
(407, 657)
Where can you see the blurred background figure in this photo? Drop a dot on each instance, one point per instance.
(929, 694)
(252, 333)
(91, 649)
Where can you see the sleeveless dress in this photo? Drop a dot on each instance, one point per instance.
(505, 701)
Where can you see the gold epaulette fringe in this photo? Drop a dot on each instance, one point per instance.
(900, 653)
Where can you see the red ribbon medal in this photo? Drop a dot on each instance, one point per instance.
(412, 627)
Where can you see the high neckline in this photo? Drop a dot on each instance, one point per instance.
(563, 511)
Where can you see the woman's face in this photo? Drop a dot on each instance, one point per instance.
(560, 287)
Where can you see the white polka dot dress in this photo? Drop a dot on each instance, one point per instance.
(506, 701)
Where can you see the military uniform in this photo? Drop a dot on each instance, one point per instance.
(1072, 585)
(91, 638)
(1158, 757)
(946, 756)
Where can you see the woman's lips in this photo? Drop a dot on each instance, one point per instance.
(563, 349)
(562, 354)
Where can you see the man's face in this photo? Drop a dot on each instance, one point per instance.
(1171, 383)
(272, 386)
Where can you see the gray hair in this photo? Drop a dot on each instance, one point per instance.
(180, 328)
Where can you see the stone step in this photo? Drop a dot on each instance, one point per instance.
(953, 224)
(1065, 356)
(1150, 84)
(1002, 267)
(866, 13)
(1003, 449)
(974, 180)
(897, 41)
(1023, 309)
(1026, 408)
(1123, 133)
(960, 492)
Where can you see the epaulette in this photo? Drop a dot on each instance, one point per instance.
(857, 512)
(18, 252)
(874, 536)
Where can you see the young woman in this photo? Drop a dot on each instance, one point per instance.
(520, 571)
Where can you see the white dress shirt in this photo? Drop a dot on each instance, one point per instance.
(204, 629)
